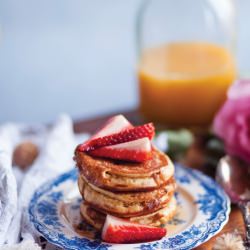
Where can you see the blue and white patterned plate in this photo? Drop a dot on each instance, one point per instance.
(203, 210)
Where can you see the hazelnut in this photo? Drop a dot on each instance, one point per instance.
(24, 154)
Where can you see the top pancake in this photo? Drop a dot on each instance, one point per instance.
(123, 176)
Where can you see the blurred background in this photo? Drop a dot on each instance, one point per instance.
(76, 56)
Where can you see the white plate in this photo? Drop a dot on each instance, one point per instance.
(203, 210)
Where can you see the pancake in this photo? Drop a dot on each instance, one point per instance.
(123, 176)
(92, 216)
(129, 197)
(126, 204)
(157, 218)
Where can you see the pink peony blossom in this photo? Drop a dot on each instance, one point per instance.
(232, 122)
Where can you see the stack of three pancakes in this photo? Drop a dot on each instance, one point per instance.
(140, 192)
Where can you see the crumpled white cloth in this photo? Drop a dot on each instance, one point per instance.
(8, 187)
(16, 188)
(24, 245)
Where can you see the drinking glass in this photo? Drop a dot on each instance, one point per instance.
(186, 59)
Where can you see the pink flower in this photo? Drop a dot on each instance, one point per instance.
(232, 122)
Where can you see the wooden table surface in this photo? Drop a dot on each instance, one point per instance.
(235, 220)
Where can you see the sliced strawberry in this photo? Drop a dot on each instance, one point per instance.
(138, 151)
(114, 125)
(146, 130)
(117, 230)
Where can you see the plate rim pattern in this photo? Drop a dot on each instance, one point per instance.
(182, 241)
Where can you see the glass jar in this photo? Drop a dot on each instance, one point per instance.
(186, 59)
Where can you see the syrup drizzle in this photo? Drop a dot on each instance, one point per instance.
(70, 212)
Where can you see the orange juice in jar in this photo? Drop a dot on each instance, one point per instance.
(186, 59)
(184, 83)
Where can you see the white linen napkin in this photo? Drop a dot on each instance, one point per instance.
(8, 188)
(56, 151)
(24, 245)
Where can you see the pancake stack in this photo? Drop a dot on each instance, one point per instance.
(141, 192)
